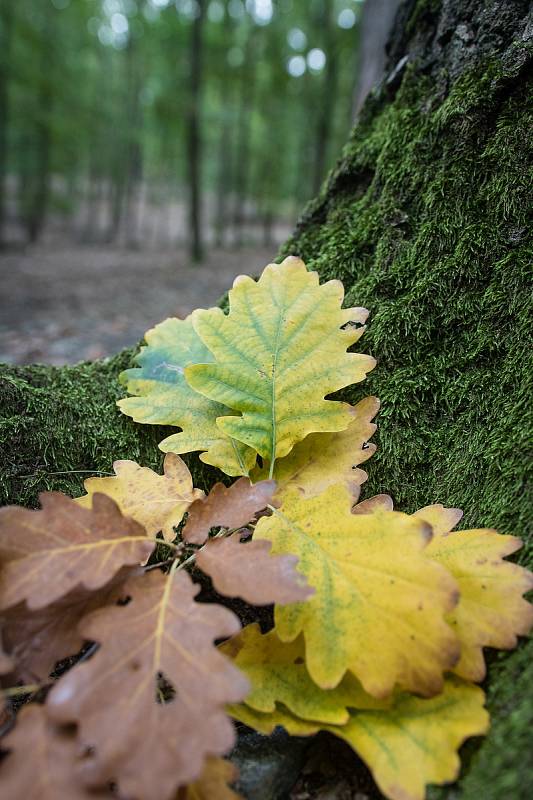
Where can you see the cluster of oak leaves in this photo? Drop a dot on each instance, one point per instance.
(380, 616)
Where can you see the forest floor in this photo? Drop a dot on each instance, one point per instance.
(60, 304)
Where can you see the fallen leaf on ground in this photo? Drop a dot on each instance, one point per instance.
(228, 507)
(278, 353)
(415, 743)
(277, 673)
(157, 502)
(49, 552)
(161, 636)
(163, 397)
(42, 762)
(379, 599)
(324, 459)
(249, 571)
(380, 502)
(491, 611)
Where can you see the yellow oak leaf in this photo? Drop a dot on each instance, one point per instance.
(323, 459)
(407, 746)
(266, 722)
(491, 611)
(278, 352)
(379, 603)
(277, 673)
(213, 782)
(157, 502)
(415, 742)
(163, 397)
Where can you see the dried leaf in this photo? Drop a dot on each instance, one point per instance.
(62, 546)
(491, 611)
(277, 673)
(406, 747)
(324, 459)
(37, 640)
(163, 397)
(161, 635)
(247, 570)
(381, 502)
(379, 599)
(228, 507)
(213, 783)
(157, 502)
(280, 350)
(43, 761)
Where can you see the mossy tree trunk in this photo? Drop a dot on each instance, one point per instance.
(424, 220)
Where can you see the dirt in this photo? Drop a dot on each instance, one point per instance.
(60, 305)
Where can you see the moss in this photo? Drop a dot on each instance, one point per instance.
(59, 425)
(424, 219)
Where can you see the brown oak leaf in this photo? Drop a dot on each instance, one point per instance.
(49, 552)
(247, 570)
(37, 640)
(160, 644)
(42, 761)
(228, 507)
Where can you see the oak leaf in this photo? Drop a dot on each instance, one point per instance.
(163, 397)
(213, 784)
(324, 459)
(491, 611)
(49, 552)
(407, 746)
(161, 635)
(228, 507)
(247, 570)
(36, 640)
(277, 673)
(157, 502)
(42, 762)
(378, 598)
(278, 352)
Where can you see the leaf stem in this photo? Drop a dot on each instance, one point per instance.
(14, 691)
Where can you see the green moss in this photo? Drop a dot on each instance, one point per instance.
(60, 425)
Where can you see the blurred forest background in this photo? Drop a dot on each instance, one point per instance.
(172, 131)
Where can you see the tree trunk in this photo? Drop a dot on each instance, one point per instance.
(425, 221)
(6, 26)
(243, 144)
(325, 115)
(376, 25)
(194, 141)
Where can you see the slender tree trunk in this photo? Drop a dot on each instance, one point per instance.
(6, 27)
(242, 157)
(194, 135)
(224, 150)
(134, 167)
(327, 107)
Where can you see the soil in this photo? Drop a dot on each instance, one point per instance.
(63, 304)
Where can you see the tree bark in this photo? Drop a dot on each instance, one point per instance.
(424, 219)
